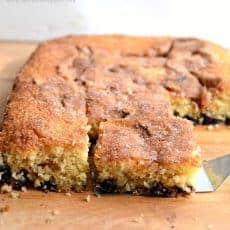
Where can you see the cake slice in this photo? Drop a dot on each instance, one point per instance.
(44, 140)
(159, 158)
(147, 151)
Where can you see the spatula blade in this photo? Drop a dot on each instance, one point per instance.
(212, 174)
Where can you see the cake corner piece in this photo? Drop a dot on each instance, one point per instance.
(44, 136)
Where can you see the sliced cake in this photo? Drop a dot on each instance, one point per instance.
(120, 93)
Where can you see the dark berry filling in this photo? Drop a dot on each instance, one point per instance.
(106, 186)
(5, 175)
(7, 178)
(23, 181)
(205, 120)
(157, 189)
(48, 186)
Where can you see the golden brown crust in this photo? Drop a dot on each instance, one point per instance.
(48, 114)
(164, 141)
(115, 98)
(44, 109)
(188, 69)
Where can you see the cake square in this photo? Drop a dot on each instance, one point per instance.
(151, 158)
(44, 138)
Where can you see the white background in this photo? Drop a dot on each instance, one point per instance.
(42, 19)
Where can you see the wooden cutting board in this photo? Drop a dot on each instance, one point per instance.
(37, 210)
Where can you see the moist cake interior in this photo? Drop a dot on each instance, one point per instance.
(78, 88)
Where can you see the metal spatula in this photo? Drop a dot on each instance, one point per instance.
(212, 174)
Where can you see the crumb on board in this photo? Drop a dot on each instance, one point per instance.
(43, 205)
(14, 195)
(23, 189)
(49, 219)
(171, 220)
(54, 212)
(210, 127)
(6, 188)
(195, 219)
(68, 194)
(51, 216)
(4, 209)
(87, 198)
(138, 219)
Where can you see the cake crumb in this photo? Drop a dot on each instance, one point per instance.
(6, 188)
(23, 189)
(139, 219)
(5, 208)
(68, 194)
(210, 127)
(195, 219)
(49, 219)
(14, 195)
(210, 226)
(87, 199)
(55, 212)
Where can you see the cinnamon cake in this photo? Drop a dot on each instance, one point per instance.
(121, 100)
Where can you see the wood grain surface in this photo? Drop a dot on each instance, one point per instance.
(37, 210)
